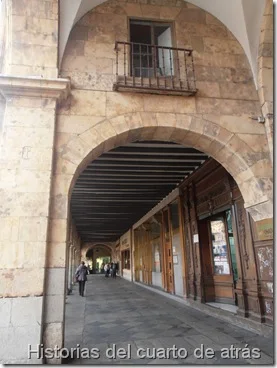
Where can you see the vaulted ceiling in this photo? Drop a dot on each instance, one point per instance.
(242, 17)
(122, 185)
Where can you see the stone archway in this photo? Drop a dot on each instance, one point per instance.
(89, 247)
(93, 251)
(250, 169)
(249, 166)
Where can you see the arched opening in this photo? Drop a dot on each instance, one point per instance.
(77, 153)
(97, 256)
(118, 189)
(171, 215)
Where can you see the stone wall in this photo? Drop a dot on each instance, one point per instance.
(31, 38)
(216, 120)
(44, 149)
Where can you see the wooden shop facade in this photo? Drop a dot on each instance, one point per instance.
(200, 243)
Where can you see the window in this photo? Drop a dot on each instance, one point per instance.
(219, 247)
(150, 53)
(126, 259)
(174, 211)
(156, 255)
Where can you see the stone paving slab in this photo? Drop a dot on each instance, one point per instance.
(126, 317)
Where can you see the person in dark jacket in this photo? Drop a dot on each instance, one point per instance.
(114, 270)
(81, 277)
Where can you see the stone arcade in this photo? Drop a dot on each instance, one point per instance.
(71, 95)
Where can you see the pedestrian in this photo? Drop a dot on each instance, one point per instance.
(107, 269)
(81, 277)
(114, 270)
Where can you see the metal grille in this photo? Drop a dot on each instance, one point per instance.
(156, 69)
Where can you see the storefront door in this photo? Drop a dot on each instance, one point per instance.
(169, 273)
(218, 258)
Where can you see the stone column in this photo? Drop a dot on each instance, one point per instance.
(69, 279)
(94, 257)
(265, 72)
(198, 282)
(25, 185)
(31, 49)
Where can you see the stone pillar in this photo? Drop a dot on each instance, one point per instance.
(198, 284)
(74, 263)
(265, 72)
(94, 257)
(70, 269)
(26, 164)
(188, 245)
(25, 185)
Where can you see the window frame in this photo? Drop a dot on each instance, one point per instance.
(221, 215)
(151, 23)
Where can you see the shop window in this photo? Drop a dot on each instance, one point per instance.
(174, 211)
(219, 247)
(156, 255)
(126, 259)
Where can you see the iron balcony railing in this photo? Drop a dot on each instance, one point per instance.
(154, 69)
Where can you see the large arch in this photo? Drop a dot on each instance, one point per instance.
(89, 246)
(228, 148)
(72, 156)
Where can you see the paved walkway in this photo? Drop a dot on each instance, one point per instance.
(117, 314)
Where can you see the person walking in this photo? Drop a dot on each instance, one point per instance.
(81, 277)
(114, 270)
(107, 269)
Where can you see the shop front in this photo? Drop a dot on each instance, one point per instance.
(200, 243)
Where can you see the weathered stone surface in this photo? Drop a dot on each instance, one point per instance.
(210, 19)
(57, 231)
(241, 124)
(208, 89)
(19, 337)
(54, 280)
(238, 91)
(53, 334)
(88, 103)
(169, 104)
(32, 229)
(118, 104)
(15, 278)
(195, 15)
(5, 310)
(56, 254)
(222, 46)
(26, 311)
(76, 124)
(54, 307)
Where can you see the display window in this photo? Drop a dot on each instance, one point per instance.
(126, 259)
(223, 246)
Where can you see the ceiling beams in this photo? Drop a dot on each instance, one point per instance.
(119, 187)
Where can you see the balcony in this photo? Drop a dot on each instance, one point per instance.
(154, 69)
